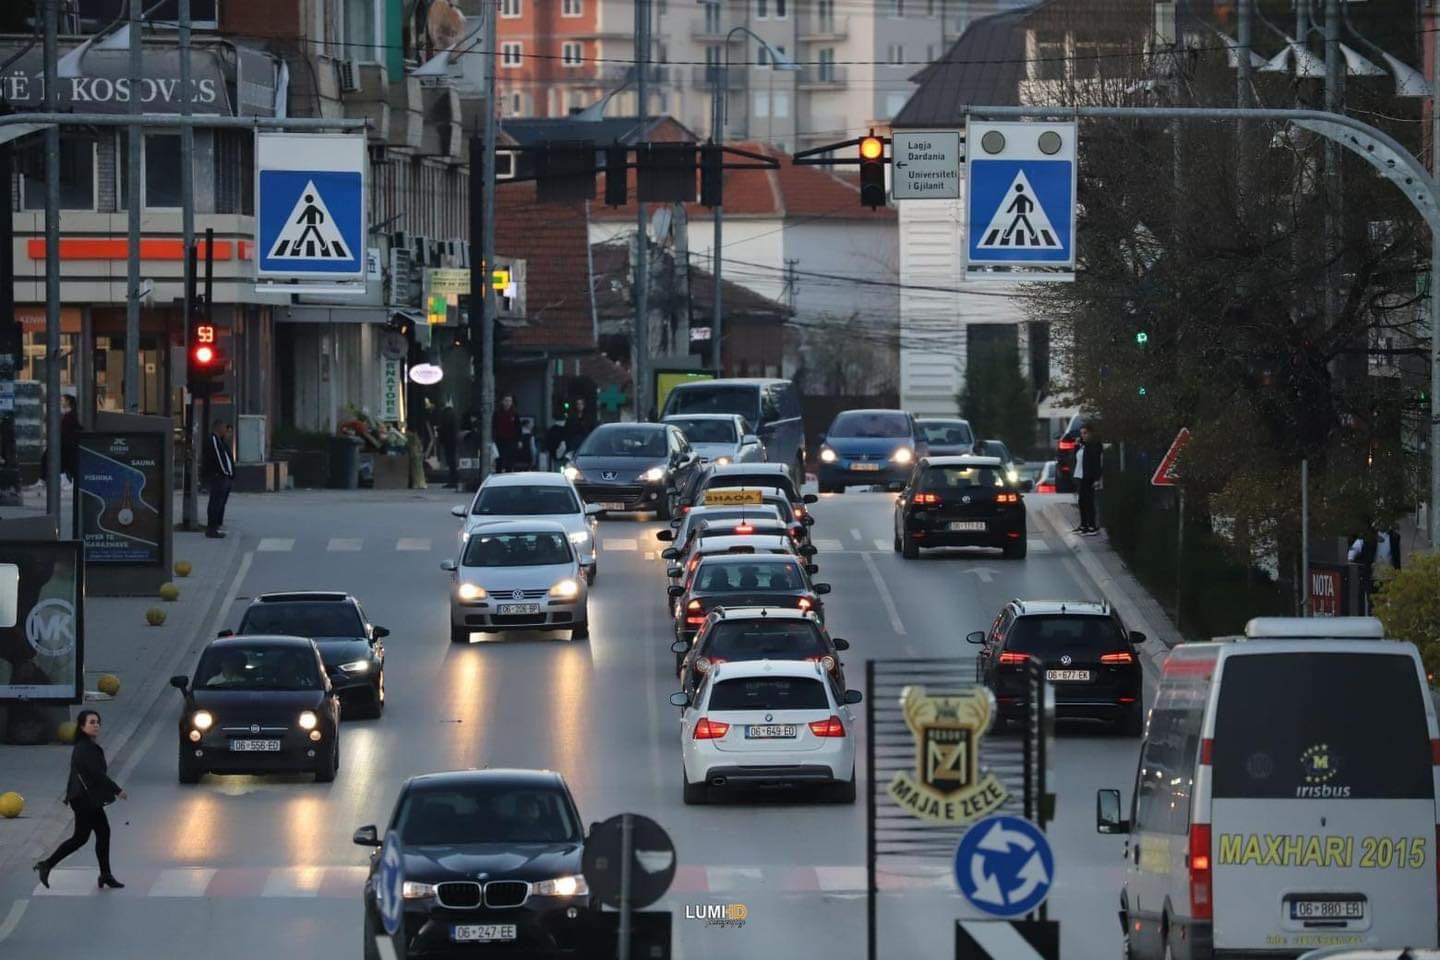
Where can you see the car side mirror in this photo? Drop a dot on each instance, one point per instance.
(675, 590)
(674, 572)
(853, 697)
(669, 553)
(808, 550)
(366, 836)
(448, 566)
(810, 498)
(381, 633)
(812, 568)
(665, 536)
(840, 643)
(749, 439)
(227, 632)
(1137, 637)
(458, 510)
(680, 699)
(977, 636)
(821, 589)
(593, 509)
(808, 520)
(680, 646)
(181, 683)
(1107, 813)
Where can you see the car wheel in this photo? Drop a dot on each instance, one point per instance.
(188, 770)
(326, 768)
(897, 544)
(1016, 551)
(1133, 724)
(696, 793)
(842, 792)
(908, 549)
(459, 634)
(581, 632)
(590, 576)
(665, 509)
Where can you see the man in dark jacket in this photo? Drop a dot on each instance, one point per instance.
(1088, 467)
(578, 424)
(505, 425)
(218, 469)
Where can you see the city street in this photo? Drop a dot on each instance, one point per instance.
(264, 867)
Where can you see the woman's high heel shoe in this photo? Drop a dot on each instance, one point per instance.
(43, 868)
(110, 882)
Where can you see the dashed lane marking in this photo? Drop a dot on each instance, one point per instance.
(276, 545)
(885, 597)
(343, 545)
(621, 544)
(855, 532)
(413, 544)
(882, 544)
(828, 546)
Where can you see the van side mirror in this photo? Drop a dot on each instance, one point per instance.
(812, 568)
(1137, 637)
(976, 636)
(821, 589)
(810, 498)
(680, 647)
(1107, 813)
(366, 836)
(840, 643)
(181, 683)
(448, 566)
(665, 536)
(381, 633)
(853, 696)
(675, 590)
(458, 511)
(669, 553)
(680, 699)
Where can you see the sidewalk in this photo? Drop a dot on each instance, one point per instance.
(117, 640)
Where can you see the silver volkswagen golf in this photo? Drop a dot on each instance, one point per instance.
(518, 575)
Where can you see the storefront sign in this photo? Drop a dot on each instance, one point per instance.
(105, 86)
(42, 607)
(448, 281)
(118, 492)
(392, 381)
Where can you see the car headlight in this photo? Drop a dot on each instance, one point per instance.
(827, 455)
(721, 461)
(903, 455)
(572, 886)
(1012, 475)
(572, 473)
(565, 589)
(202, 720)
(356, 666)
(412, 890)
(470, 591)
(308, 720)
(579, 536)
(653, 475)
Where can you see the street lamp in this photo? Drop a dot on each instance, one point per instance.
(719, 82)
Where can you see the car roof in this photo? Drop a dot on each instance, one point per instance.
(942, 420)
(263, 640)
(748, 558)
(700, 416)
(305, 596)
(728, 382)
(1077, 608)
(643, 424)
(526, 478)
(500, 776)
(964, 460)
(740, 669)
(726, 542)
(536, 525)
(904, 413)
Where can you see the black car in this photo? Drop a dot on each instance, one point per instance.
(259, 704)
(960, 502)
(634, 466)
(757, 580)
(352, 647)
(733, 634)
(491, 861)
(1089, 658)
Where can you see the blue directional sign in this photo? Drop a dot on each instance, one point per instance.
(1020, 194)
(310, 206)
(390, 883)
(1004, 865)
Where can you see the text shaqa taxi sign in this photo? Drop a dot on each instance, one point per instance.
(947, 784)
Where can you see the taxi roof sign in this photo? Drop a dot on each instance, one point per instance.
(732, 496)
(1315, 628)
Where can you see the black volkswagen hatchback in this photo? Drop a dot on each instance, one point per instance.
(259, 704)
(491, 861)
(962, 501)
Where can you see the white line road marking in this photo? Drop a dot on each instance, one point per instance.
(1038, 546)
(626, 543)
(882, 544)
(831, 546)
(723, 879)
(855, 532)
(12, 919)
(651, 554)
(884, 592)
(276, 545)
(343, 545)
(840, 878)
(182, 882)
(983, 573)
(293, 882)
(413, 544)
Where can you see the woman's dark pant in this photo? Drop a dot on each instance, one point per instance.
(88, 819)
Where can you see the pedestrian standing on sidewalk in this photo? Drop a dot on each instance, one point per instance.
(88, 792)
(219, 473)
(1364, 548)
(505, 428)
(1088, 468)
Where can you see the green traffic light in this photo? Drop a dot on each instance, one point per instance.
(1141, 391)
(1142, 338)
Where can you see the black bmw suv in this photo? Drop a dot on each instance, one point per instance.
(491, 861)
(965, 501)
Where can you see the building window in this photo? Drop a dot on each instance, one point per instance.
(510, 54)
(571, 54)
(895, 54)
(762, 9)
(897, 8)
(780, 106)
(827, 64)
(712, 18)
(762, 55)
(762, 105)
(160, 166)
(780, 11)
(360, 24)
(77, 173)
(517, 104)
(571, 8)
(510, 8)
(1048, 62)
(894, 103)
(825, 15)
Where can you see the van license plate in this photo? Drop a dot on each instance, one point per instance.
(1327, 909)
(1067, 674)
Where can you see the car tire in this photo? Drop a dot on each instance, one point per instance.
(665, 509)
(898, 546)
(581, 632)
(590, 576)
(842, 792)
(459, 634)
(326, 769)
(1133, 724)
(188, 771)
(696, 794)
(377, 696)
(1016, 551)
(908, 549)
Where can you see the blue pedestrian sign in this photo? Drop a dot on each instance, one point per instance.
(1004, 866)
(390, 883)
(310, 206)
(1020, 194)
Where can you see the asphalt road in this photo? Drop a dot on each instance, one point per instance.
(246, 867)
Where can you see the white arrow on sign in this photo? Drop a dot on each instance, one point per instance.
(987, 888)
(1032, 875)
(999, 840)
(985, 575)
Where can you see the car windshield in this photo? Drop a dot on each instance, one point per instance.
(769, 693)
(942, 479)
(258, 667)
(1289, 725)
(723, 576)
(484, 813)
(696, 518)
(1050, 636)
(309, 619)
(741, 401)
(516, 550)
(508, 501)
(762, 639)
(945, 433)
(876, 425)
(626, 441)
(993, 448)
(707, 431)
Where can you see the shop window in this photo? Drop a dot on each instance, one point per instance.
(77, 173)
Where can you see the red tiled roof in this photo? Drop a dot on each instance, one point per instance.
(553, 240)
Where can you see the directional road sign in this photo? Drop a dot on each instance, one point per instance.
(652, 861)
(1020, 193)
(1168, 474)
(310, 205)
(925, 165)
(1004, 865)
(391, 883)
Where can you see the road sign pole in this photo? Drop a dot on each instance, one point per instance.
(627, 853)
(870, 941)
(1305, 610)
(1179, 556)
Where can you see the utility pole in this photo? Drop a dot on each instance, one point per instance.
(11, 336)
(487, 237)
(717, 136)
(1432, 513)
(1242, 94)
(135, 139)
(640, 346)
(1334, 103)
(190, 502)
(52, 264)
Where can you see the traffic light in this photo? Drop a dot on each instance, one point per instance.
(617, 189)
(872, 172)
(712, 175)
(1142, 338)
(206, 361)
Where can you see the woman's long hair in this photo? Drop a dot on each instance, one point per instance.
(80, 723)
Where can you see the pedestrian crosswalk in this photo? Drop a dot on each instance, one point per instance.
(347, 880)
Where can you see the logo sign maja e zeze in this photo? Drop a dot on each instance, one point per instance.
(947, 785)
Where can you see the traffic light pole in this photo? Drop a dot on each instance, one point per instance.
(487, 265)
(11, 338)
(190, 499)
(210, 320)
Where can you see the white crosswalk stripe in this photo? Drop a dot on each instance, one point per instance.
(293, 882)
(343, 545)
(413, 544)
(882, 544)
(276, 545)
(828, 546)
(620, 544)
(182, 882)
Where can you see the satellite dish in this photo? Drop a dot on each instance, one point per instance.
(445, 24)
(426, 374)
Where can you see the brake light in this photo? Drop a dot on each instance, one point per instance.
(744, 528)
(1200, 906)
(1435, 760)
(684, 510)
(695, 613)
(1045, 488)
(1121, 657)
(1016, 658)
(931, 498)
(1207, 751)
(1007, 498)
(1067, 444)
(707, 729)
(828, 728)
(799, 510)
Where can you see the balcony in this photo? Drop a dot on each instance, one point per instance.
(614, 75)
(705, 32)
(821, 77)
(704, 78)
(823, 29)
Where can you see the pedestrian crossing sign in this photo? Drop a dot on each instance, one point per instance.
(310, 206)
(1020, 194)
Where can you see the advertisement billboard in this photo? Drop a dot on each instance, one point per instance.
(119, 486)
(42, 617)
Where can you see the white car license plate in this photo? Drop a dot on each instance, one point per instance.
(482, 932)
(513, 608)
(612, 506)
(967, 525)
(1327, 909)
(865, 466)
(770, 731)
(255, 746)
(1067, 674)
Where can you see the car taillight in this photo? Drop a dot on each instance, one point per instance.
(828, 728)
(927, 498)
(707, 729)
(1007, 498)
(799, 510)
(1201, 907)
(1067, 444)
(695, 613)
(1045, 488)
(1016, 658)
(744, 528)
(1121, 657)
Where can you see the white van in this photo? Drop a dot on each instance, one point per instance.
(1284, 798)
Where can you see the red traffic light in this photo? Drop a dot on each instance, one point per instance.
(204, 355)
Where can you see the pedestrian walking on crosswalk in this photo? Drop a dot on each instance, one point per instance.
(88, 792)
